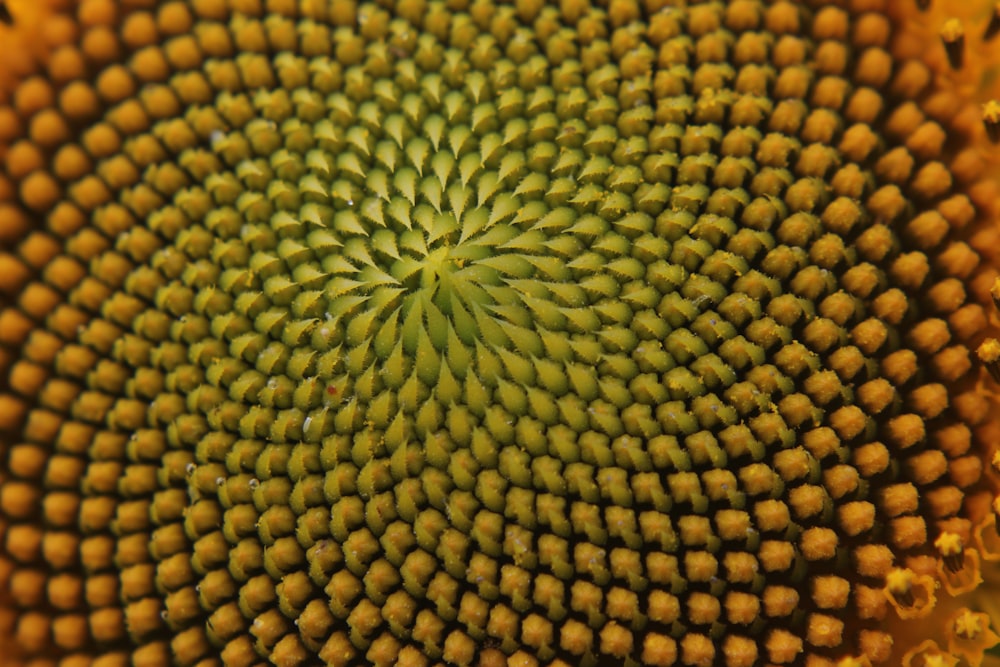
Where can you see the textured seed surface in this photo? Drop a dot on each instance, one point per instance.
(467, 333)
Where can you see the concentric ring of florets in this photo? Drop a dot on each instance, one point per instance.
(563, 333)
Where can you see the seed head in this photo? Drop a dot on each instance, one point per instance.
(479, 333)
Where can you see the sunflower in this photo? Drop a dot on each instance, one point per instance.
(460, 332)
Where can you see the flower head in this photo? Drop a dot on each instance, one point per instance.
(478, 333)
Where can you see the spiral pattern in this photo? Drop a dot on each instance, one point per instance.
(467, 333)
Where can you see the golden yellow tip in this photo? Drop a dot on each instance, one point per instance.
(948, 544)
(910, 594)
(900, 581)
(991, 119)
(928, 654)
(851, 661)
(988, 353)
(952, 31)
